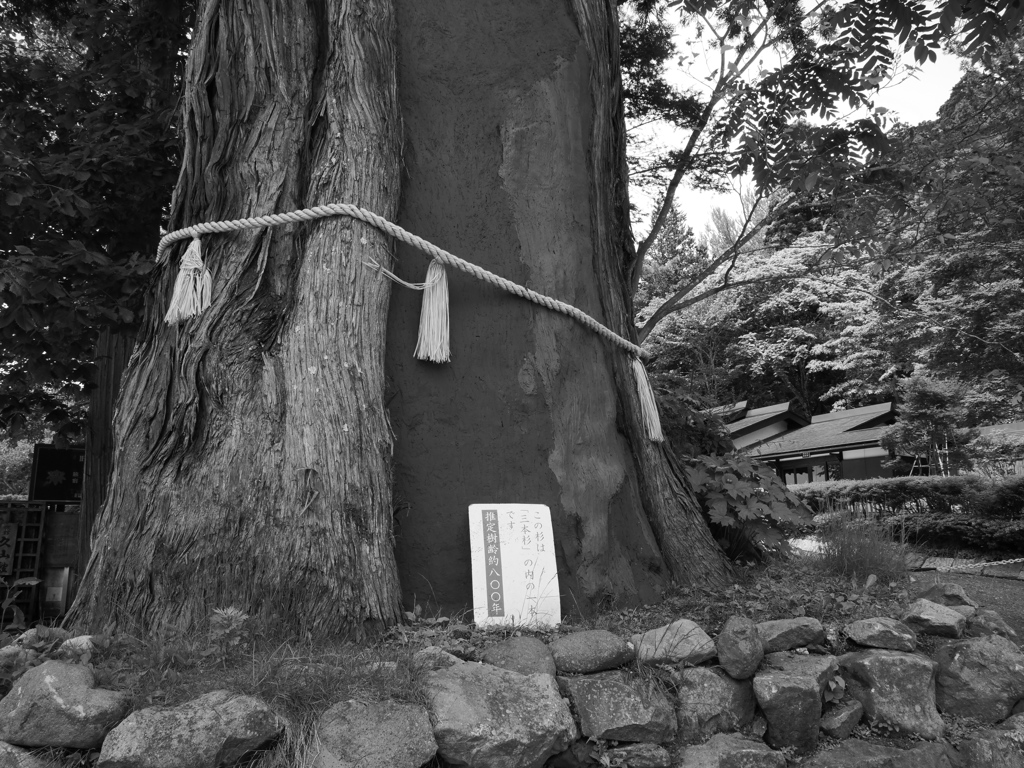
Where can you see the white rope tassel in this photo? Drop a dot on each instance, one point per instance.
(192, 288)
(648, 405)
(433, 344)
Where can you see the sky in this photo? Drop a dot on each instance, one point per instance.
(914, 99)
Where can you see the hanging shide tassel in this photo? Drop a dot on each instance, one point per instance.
(432, 343)
(192, 287)
(648, 405)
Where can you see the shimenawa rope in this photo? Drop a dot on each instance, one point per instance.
(192, 290)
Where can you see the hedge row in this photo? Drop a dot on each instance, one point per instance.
(1001, 498)
(964, 512)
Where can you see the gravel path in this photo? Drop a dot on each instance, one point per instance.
(1003, 595)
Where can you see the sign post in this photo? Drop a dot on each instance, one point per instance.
(515, 581)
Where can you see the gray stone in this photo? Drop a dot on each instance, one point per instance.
(882, 632)
(787, 634)
(57, 705)
(16, 757)
(434, 658)
(494, 718)
(355, 734)
(999, 747)
(611, 706)
(930, 618)
(640, 756)
(935, 754)
(681, 642)
(730, 750)
(980, 677)
(947, 594)
(74, 647)
(215, 729)
(711, 702)
(580, 754)
(855, 754)
(740, 647)
(789, 688)
(42, 636)
(986, 622)
(525, 655)
(862, 754)
(839, 720)
(967, 611)
(897, 689)
(596, 650)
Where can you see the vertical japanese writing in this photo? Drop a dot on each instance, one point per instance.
(8, 532)
(492, 560)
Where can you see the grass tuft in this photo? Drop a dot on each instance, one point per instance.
(860, 548)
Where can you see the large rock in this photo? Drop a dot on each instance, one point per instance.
(930, 618)
(216, 729)
(787, 634)
(596, 650)
(862, 754)
(789, 688)
(882, 632)
(57, 705)
(434, 658)
(947, 594)
(897, 689)
(681, 642)
(611, 706)
(354, 734)
(740, 647)
(839, 720)
(999, 747)
(16, 757)
(711, 702)
(855, 754)
(640, 756)
(730, 750)
(986, 622)
(493, 718)
(525, 655)
(980, 677)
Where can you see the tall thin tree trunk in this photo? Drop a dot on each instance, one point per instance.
(253, 450)
(113, 348)
(515, 160)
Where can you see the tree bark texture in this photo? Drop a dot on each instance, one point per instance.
(252, 466)
(514, 160)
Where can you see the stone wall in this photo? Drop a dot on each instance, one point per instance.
(759, 695)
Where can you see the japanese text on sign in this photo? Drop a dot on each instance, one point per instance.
(515, 581)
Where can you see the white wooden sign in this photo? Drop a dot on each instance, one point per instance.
(515, 581)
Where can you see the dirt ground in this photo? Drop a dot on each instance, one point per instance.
(1006, 596)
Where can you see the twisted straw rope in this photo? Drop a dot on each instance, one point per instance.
(344, 209)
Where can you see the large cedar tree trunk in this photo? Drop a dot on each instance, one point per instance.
(252, 465)
(515, 160)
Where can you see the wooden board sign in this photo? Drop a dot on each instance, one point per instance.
(58, 474)
(515, 581)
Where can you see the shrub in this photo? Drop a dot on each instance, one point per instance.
(748, 506)
(15, 468)
(967, 512)
(990, 497)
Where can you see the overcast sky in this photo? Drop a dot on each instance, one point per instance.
(914, 99)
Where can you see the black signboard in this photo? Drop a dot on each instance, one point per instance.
(57, 474)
